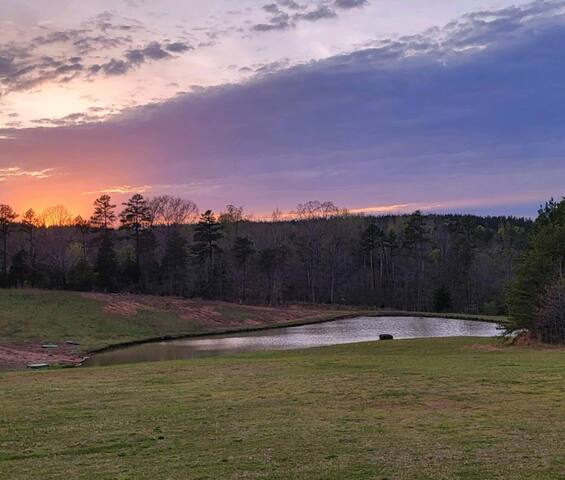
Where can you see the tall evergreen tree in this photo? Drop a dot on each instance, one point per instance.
(104, 215)
(206, 236)
(103, 219)
(7, 218)
(136, 218)
(29, 225)
(542, 265)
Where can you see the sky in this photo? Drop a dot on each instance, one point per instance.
(380, 106)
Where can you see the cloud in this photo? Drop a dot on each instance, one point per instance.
(279, 20)
(291, 4)
(154, 51)
(94, 114)
(286, 14)
(121, 189)
(178, 47)
(472, 109)
(135, 57)
(60, 56)
(113, 67)
(11, 172)
(321, 12)
(350, 3)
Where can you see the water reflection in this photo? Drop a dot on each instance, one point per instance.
(337, 332)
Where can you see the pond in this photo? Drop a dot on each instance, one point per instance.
(353, 330)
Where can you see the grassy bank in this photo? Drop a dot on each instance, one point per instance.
(98, 320)
(413, 409)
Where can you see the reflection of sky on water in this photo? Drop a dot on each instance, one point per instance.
(353, 330)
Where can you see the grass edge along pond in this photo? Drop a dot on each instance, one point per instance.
(456, 408)
(100, 321)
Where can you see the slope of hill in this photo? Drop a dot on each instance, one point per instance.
(28, 318)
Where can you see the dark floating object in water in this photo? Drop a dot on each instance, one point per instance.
(37, 365)
(49, 345)
(71, 342)
(385, 336)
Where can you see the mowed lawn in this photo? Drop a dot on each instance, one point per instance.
(411, 409)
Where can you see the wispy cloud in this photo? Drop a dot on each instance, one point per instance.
(12, 172)
(105, 45)
(286, 14)
(121, 189)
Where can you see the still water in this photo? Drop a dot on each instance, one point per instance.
(353, 330)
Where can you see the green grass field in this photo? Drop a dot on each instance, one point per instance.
(52, 315)
(411, 409)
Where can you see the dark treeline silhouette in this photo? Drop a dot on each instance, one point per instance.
(537, 293)
(321, 255)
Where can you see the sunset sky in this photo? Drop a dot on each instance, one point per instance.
(377, 105)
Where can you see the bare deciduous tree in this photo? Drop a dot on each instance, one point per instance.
(169, 211)
(57, 216)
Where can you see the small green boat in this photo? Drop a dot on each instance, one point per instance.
(49, 345)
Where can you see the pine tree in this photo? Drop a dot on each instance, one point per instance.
(29, 225)
(542, 265)
(105, 266)
(206, 236)
(104, 215)
(7, 218)
(136, 218)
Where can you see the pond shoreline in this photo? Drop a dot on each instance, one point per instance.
(299, 323)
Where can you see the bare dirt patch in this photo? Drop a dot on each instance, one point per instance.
(209, 315)
(16, 356)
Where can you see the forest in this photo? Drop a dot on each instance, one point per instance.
(319, 254)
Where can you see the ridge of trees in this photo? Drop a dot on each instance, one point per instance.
(322, 254)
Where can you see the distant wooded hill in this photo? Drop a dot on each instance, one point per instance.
(411, 262)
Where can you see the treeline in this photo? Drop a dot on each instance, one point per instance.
(537, 293)
(322, 254)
